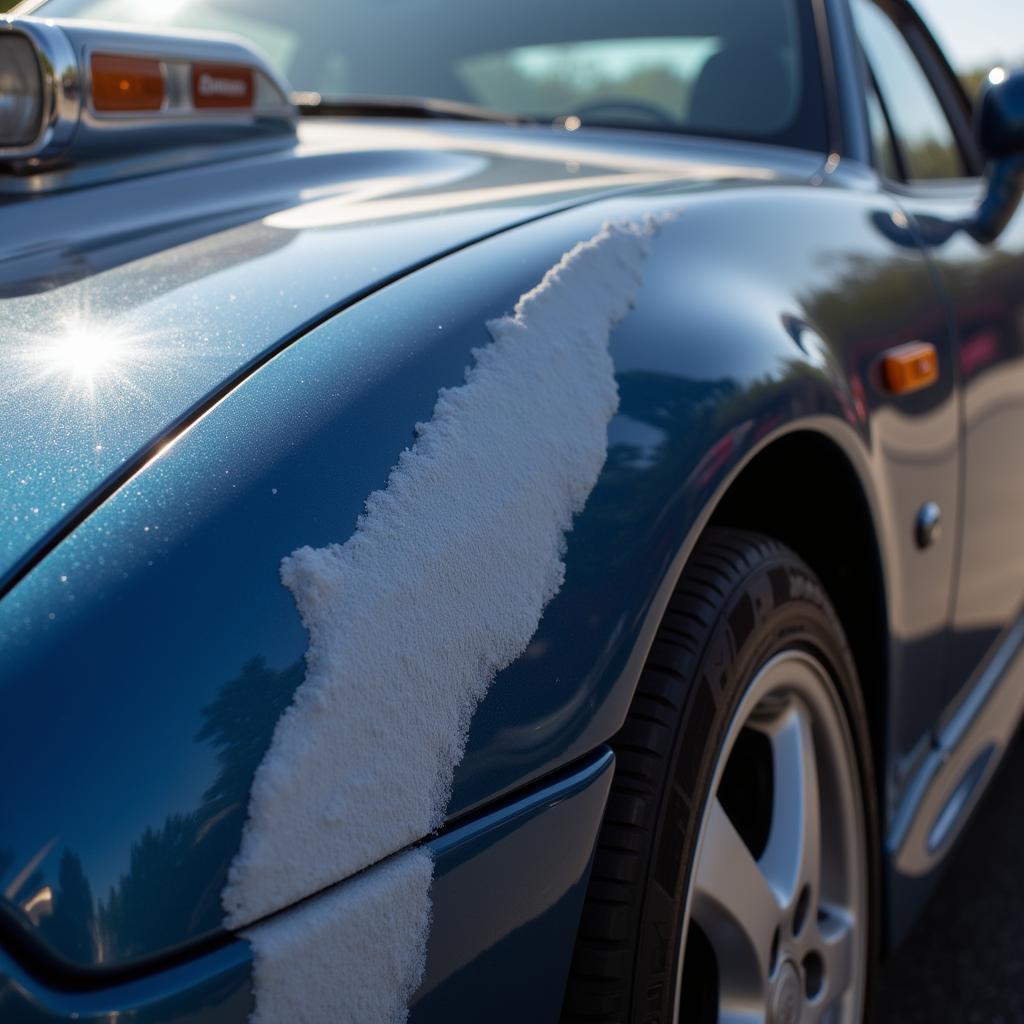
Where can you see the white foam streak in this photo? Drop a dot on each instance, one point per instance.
(324, 960)
(441, 586)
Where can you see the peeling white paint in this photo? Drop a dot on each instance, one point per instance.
(441, 586)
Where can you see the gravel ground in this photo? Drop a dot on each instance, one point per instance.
(964, 961)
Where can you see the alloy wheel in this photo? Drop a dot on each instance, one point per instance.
(775, 923)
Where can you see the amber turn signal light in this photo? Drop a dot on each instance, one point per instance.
(910, 367)
(126, 83)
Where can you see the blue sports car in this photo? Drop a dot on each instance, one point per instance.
(508, 512)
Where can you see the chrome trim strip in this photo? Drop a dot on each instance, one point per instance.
(964, 756)
(952, 814)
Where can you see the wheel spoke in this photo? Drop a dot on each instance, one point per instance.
(777, 889)
(792, 857)
(738, 912)
(838, 954)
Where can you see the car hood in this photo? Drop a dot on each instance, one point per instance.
(127, 308)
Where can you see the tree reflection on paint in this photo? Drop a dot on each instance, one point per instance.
(142, 912)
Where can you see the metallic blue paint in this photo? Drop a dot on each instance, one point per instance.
(345, 211)
(295, 331)
(167, 599)
(478, 927)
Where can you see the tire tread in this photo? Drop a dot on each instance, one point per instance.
(720, 565)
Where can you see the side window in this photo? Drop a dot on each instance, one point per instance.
(923, 133)
(881, 136)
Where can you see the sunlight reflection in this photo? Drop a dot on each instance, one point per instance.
(88, 367)
(84, 353)
(164, 10)
(339, 210)
(40, 905)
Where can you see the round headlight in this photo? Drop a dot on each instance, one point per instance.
(21, 91)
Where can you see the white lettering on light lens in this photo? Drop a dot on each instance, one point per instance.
(210, 86)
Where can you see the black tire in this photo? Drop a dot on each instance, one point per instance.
(741, 599)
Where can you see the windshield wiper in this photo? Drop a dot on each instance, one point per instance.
(312, 104)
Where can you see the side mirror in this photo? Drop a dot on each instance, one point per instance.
(1000, 119)
(999, 126)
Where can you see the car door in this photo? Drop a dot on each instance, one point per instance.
(924, 148)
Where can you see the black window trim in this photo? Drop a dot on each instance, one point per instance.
(852, 128)
(897, 147)
(951, 96)
(825, 31)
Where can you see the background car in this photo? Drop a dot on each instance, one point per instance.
(531, 532)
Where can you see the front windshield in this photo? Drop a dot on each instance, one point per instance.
(740, 68)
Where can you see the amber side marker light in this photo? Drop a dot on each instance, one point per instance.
(126, 83)
(911, 367)
(75, 92)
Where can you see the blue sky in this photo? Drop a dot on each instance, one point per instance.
(977, 32)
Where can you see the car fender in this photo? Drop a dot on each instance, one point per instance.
(166, 605)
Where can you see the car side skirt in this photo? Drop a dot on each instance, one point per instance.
(954, 775)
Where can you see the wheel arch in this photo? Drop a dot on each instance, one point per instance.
(803, 490)
(809, 483)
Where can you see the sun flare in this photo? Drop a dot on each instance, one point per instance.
(85, 353)
(88, 363)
